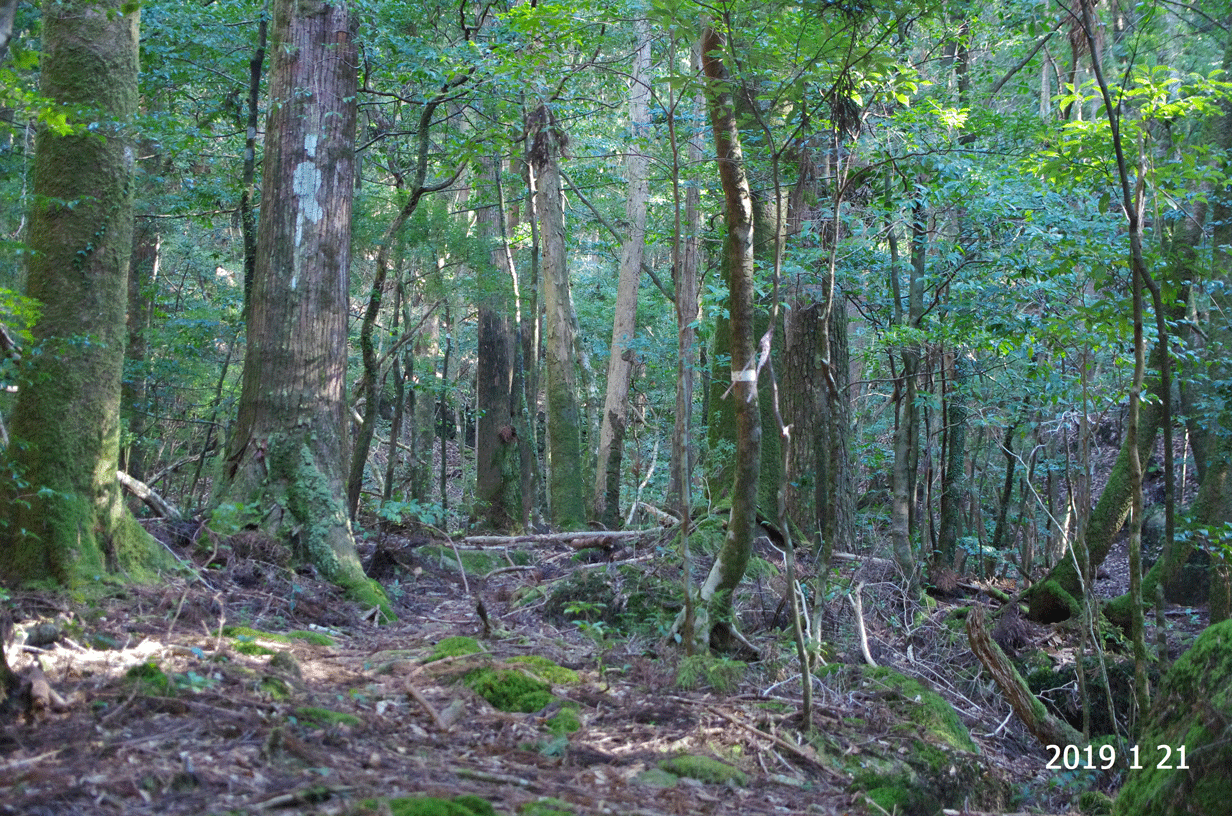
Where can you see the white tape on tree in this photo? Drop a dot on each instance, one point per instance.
(747, 375)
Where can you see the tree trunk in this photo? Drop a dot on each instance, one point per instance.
(605, 506)
(566, 480)
(906, 427)
(714, 614)
(66, 519)
(142, 277)
(287, 457)
(953, 477)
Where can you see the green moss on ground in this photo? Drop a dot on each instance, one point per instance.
(148, 678)
(425, 806)
(454, 647)
(564, 722)
(546, 670)
(246, 634)
(704, 769)
(546, 807)
(325, 716)
(509, 690)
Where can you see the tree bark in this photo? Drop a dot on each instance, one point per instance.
(142, 275)
(566, 474)
(67, 521)
(287, 457)
(605, 506)
(714, 614)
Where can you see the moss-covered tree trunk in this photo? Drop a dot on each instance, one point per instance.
(64, 517)
(287, 457)
(713, 617)
(566, 474)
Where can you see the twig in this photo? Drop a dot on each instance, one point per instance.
(857, 606)
(22, 763)
(417, 695)
(801, 751)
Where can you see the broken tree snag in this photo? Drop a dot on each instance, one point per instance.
(1043, 726)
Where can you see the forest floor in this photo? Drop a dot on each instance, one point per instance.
(310, 707)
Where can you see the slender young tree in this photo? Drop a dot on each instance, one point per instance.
(605, 505)
(712, 617)
(286, 460)
(65, 518)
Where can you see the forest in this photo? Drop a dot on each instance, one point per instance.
(655, 406)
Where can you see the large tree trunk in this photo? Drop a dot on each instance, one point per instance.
(605, 505)
(713, 616)
(566, 475)
(287, 457)
(66, 520)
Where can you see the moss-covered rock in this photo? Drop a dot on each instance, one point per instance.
(1192, 712)
(704, 769)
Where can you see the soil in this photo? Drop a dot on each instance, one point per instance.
(232, 730)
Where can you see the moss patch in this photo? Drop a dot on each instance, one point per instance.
(546, 670)
(454, 647)
(704, 769)
(149, 679)
(509, 690)
(246, 634)
(546, 807)
(325, 716)
(565, 721)
(426, 806)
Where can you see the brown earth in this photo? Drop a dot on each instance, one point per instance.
(236, 732)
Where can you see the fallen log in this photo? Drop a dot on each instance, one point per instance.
(151, 499)
(1046, 728)
(557, 538)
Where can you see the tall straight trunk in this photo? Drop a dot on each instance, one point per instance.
(686, 263)
(498, 476)
(427, 401)
(906, 428)
(566, 479)
(286, 461)
(954, 474)
(605, 506)
(66, 521)
(714, 613)
(142, 277)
